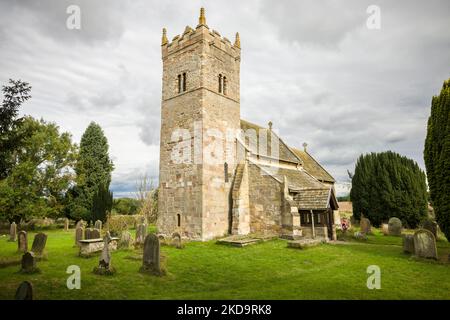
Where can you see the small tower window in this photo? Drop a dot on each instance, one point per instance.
(224, 85)
(184, 81)
(179, 83)
(225, 171)
(178, 220)
(220, 83)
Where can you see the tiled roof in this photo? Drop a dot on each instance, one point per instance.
(312, 166)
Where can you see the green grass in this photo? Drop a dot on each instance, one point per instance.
(207, 270)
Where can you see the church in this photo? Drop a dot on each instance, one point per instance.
(220, 175)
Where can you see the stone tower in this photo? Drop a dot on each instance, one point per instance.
(200, 114)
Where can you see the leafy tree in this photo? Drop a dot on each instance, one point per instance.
(388, 185)
(14, 95)
(93, 170)
(42, 172)
(437, 157)
(126, 206)
(102, 204)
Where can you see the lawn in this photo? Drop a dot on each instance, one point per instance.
(208, 270)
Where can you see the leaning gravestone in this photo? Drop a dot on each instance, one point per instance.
(176, 240)
(408, 243)
(151, 259)
(13, 232)
(98, 225)
(78, 235)
(66, 224)
(125, 240)
(39, 244)
(385, 229)
(425, 244)
(95, 234)
(24, 291)
(22, 241)
(431, 226)
(395, 227)
(29, 263)
(141, 233)
(104, 263)
(364, 225)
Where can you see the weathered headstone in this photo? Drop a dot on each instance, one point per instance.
(151, 258)
(104, 263)
(125, 240)
(408, 243)
(98, 225)
(385, 229)
(22, 241)
(431, 226)
(39, 244)
(78, 235)
(425, 244)
(176, 240)
(88, 233)
(141, 233)
(80, 224)
(13, 232)
(66, 224)
(365, 226)
(95, 234)
(395, 226)
(24, 291)
(29, 263)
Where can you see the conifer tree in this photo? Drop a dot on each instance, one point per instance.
(437, 157)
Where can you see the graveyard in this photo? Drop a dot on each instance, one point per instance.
(208, 270)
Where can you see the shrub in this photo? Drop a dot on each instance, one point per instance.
(116, 224)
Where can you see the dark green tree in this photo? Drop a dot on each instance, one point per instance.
(437, 157)
(93, 170)
(102, 204)
(388, 185)
(14, 95)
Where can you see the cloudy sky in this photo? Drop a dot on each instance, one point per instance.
(312, 67)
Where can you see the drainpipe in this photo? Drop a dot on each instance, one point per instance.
(312, 224)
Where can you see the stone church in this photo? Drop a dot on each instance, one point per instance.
(220, 175)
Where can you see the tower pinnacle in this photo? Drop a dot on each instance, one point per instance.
(237, 42)
(202, 18)
(164, 37)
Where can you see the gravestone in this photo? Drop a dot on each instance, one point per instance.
(104, 263)
(39, 244)
(29, 263)
(22, 241)
(66, 224)
(408, 243)
(98, 225)
(13, 232)
(88, 234)
(24, 291)
(385, 229)
(176, 240)
(95, 234)
(395, 226)
(141, 233)
(364, 225)
(431, 226)
(425, 244)
(78, 235)
(151, 258)
(125, 240)
(80, 224)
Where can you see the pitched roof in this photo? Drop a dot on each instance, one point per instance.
(312, 166)
(319, 199)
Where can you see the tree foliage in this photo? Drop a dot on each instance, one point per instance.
(437, 157)
(102, 204)
(41, 174)
(93, 171)
(126, 206)
(388, 185)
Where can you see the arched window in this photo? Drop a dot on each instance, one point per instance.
(178, 220)
(225, 171)
(220, 83)
(179, 83)
(184, 81)
(224, 86)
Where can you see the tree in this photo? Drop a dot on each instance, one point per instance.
(388, 185)
(102, 204)
(126, 206)
(147, 195)
(93, 170)
(437, 157)
(41, 174)
(14, 95)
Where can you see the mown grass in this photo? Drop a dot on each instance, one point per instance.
(206, 270)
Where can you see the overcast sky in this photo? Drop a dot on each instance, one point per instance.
(313, 68)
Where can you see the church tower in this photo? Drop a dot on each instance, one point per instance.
(200, 115)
